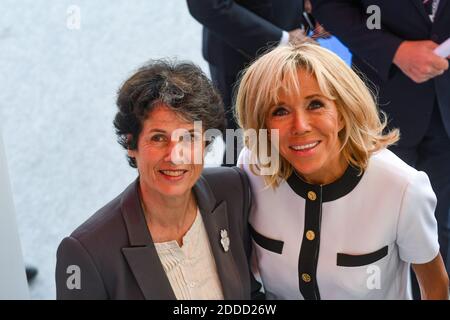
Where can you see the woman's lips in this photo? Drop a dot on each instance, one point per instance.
(173, 175)
(305, 149)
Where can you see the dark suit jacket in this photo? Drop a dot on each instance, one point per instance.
(236, 31)
(409, 105)
(118, 259)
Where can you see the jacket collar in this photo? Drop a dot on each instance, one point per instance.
(329, 192)
(440, 9)
(215, 218)
(421, 8)
(143, 258)
(141, 255)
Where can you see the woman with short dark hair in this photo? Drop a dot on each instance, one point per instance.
(178, 231)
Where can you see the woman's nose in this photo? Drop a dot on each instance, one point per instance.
(176, 153)
(301, 123)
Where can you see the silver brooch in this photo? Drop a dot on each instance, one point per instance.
(225, 241)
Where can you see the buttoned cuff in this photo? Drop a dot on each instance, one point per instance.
(284, 39)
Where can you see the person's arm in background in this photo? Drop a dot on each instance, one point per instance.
(346, 20)
(256, 287)
(239, 27)
(318, 31)
(380, 48)
(258, 292)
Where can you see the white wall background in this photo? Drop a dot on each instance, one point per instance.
(13, 284)
(57, 102)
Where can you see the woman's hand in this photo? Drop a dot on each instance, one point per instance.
(433, 279)
(297, 36)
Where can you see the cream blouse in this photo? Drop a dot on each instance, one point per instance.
(191, 269)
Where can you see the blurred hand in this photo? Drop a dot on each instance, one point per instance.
(319, 32)
(297, 36)
(308, 6)
(418, 61)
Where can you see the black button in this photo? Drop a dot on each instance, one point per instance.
(435, 37)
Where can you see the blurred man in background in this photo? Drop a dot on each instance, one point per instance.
(412, 81)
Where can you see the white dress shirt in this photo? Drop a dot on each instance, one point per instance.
(191, 269)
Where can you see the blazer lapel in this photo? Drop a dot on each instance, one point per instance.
(440, 8)
(149, 273)
(142, 256)
(144, 260)
(215, 219)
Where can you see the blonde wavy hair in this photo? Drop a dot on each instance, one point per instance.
(277, 70)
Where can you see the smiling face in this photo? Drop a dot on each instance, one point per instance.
(161, 171)
(308, 124)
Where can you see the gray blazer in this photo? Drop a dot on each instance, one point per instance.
(117, 258)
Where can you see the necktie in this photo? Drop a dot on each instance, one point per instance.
(428, 4)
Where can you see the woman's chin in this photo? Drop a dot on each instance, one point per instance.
(307, 172)
(174, 191)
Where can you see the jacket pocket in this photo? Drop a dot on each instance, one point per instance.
(348, 260)
(267, 243)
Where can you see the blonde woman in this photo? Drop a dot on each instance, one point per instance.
(340, 216)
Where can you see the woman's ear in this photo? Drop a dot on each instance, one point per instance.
(131, 152)
(341, 120)
(341, 123)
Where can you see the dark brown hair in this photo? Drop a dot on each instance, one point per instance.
(181, 86)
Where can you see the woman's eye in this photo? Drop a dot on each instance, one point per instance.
(192, 137)
(280, 111)
(159, 138)
(315, 104)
